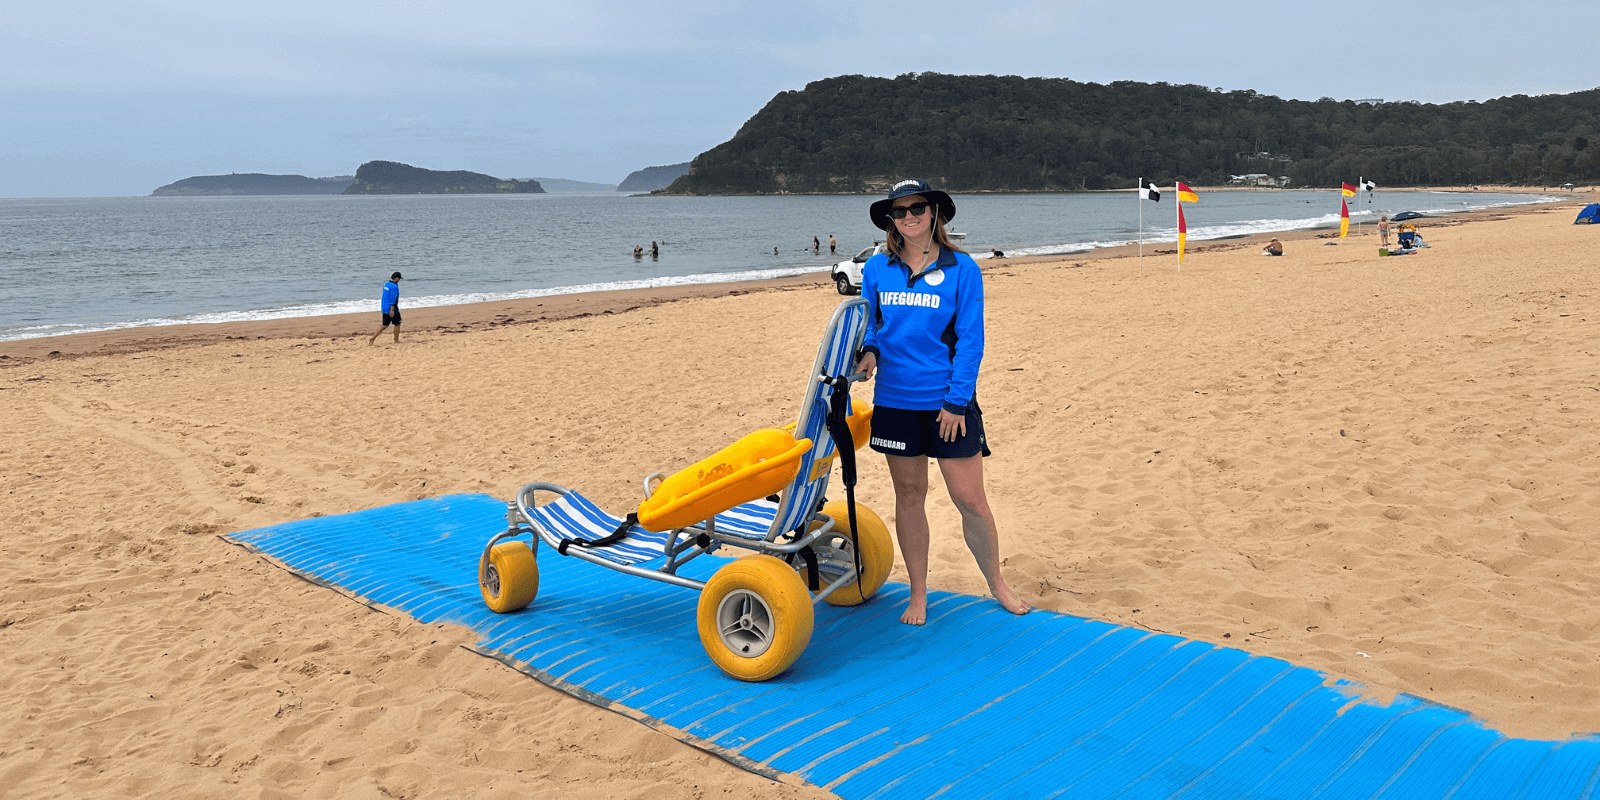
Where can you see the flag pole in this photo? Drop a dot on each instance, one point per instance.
(1177, 204)
(1139, 198)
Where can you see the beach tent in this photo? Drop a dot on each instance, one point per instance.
(1590, 215)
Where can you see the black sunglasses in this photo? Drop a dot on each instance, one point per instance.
(915, 209)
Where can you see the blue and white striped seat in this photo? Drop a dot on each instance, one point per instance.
(573, 516)
(749, 520)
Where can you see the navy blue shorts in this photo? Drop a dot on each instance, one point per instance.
(391, 319)
(899, 432)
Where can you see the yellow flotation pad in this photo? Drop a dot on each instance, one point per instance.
(860, 421)
(760, 463)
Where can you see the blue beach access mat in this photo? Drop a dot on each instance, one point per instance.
(978, 703)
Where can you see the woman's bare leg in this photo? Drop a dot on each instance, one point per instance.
(964, 478)
(910, 477)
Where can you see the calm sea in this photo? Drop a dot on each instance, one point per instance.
(79, 265)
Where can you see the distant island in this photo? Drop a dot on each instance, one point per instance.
(973, 133)
(253, 183)
(650, 179)
(565, 185)
(392, 177)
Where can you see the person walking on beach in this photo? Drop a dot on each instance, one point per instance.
(1383, 231)
(390, 305)
(924, 342)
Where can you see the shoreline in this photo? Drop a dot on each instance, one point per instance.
(479, 316)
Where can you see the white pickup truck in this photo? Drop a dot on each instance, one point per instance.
(847, 274)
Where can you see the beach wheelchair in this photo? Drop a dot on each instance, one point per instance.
(763, 494)
(1409, 239)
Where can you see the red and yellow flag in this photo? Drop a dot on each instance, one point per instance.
(1344, 217)
(1347, 189)
(1183, 228)
(1187, 195)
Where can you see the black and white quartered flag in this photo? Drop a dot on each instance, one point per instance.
(1148, 191)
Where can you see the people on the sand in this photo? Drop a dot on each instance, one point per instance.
(833, 245)
(993, 253)
(390, 305)
(924, 343)
(1273, 248)
(1383, 231)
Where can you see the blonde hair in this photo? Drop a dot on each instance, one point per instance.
(896, 242)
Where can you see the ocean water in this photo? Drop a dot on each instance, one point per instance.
(80, 265)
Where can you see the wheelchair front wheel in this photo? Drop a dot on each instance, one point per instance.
(510, 580)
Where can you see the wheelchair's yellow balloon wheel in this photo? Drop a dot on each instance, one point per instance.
(510, 580)
(835, 551)
(755, 618)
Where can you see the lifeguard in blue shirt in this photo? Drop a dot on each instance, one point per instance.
(389, 304)
(924, 344)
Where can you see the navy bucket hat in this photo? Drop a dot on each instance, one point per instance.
(880, 210)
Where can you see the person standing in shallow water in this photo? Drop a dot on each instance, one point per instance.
(390, 305)
(924, 343)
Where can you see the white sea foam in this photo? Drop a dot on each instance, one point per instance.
(371, 306)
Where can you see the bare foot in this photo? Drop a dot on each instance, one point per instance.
(1010, 601)
(916, 610)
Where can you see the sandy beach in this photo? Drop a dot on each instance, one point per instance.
(1382, 468)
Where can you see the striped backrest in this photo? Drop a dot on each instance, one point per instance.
(835, 357)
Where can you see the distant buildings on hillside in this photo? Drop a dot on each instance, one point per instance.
(1258, 179)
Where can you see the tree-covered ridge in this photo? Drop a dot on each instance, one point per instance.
(985, 133)
(251, 183)
(392, 177)
(650, 179)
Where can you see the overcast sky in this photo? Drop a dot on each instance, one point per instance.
(117, 98)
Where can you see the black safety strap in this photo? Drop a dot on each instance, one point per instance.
(813, 575)
(844, 443)
(612, 538)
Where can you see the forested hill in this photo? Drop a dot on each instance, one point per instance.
(392, 177)
(252, 183)
(978, 133)
(650, 179)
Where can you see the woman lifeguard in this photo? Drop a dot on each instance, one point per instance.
(925, 341)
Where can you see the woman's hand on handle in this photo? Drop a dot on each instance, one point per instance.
(867, 364)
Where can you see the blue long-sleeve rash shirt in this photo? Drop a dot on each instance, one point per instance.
(927, 331)
(391, 297)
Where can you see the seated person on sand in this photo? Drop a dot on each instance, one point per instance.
(996, 253)
(1273, 248)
